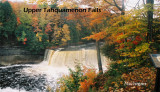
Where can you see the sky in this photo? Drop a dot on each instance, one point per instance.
(130, 4)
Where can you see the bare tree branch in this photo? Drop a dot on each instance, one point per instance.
(109, 3)
(137, 3)
(117, 6)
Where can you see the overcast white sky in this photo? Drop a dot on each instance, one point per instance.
(130, 4)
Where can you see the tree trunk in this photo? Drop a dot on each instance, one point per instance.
(99, 57)
(150, 18)
(123, 8)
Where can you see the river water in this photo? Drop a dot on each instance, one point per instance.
(44, 76)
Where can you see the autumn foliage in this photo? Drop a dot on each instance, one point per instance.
(140, 80)
(78, 80)
(87, 83)
(124, 33)
(96, 36)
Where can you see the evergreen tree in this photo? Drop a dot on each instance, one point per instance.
(8, 22)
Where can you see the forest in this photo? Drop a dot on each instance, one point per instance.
(129, 36)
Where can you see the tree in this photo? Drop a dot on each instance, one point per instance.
(131, 46)
(117, 5)
(150, 4)
(8, 22)
(93, 21)
(96, 24)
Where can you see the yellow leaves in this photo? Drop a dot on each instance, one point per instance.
(124, 54)
(142, 48)
(66, 33)
(39, 36)
(132, 64)
(64, 40)
(115, 84)
(128, 32)
(121, 82)
(62, 33)
(78, 26)
(40, 39)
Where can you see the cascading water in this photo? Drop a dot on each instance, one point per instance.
(37, 78)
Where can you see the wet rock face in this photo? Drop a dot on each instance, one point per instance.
(20, 59)
(13, 78)
(17, 55)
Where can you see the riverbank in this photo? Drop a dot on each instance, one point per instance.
(18, 55)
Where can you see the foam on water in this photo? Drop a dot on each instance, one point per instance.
(54, 66)
(8, 89)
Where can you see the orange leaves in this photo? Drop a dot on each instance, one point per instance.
(119, 41)
(18, 20)
(90, 74)
(24, 41)
(97, 18)
(118, 36)
(96, 36)
(35, 21)
(35, 24)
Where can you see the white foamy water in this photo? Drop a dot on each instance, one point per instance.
(8, 89)
(56, 64)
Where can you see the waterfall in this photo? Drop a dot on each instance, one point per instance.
(38, 77)
(68, 57)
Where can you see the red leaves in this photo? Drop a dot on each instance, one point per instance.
(24, 41)
(138, 38)
(135, 42)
